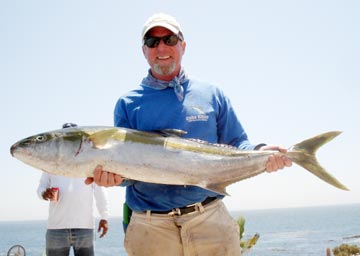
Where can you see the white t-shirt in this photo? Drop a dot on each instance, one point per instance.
(74, 208)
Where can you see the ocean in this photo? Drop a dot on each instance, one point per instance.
(283, 232)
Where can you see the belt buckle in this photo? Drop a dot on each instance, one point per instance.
(197, 207)
(175, 211)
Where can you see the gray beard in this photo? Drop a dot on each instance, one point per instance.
(164, 70)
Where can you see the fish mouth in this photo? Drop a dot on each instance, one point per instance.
(13, 149)
(16, 151)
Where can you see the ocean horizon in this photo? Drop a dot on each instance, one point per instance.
(283, 231)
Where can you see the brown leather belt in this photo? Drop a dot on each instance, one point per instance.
(186, 209)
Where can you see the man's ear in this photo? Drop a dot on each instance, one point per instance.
(143, 50)
(183, 45)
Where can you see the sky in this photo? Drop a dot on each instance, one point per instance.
(290, 68)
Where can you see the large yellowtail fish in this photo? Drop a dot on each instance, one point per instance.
(163, 158)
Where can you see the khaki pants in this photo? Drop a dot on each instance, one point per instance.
(206, 232)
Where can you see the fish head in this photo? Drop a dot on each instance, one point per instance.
(45, 151)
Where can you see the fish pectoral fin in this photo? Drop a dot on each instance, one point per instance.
(100, 139)
(219, 188)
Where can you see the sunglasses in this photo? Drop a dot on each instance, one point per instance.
(153, 41)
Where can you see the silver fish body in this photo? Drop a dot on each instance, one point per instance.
(155, 158)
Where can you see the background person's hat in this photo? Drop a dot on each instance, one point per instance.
(68, 125)
(162, 20)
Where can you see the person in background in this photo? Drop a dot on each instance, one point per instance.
(172, 219)
(71, 220)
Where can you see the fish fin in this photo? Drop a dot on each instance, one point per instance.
(303, 154)
(171, 132)
(100, 139)
(219, 188)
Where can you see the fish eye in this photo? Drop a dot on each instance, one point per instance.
(40, 138)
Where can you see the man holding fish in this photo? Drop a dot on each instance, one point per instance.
(178, 219)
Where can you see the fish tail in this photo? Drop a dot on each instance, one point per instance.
(304, 152)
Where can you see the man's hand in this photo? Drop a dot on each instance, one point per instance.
(104, 178)
(48, 194)
(103, 227)
(276, 162)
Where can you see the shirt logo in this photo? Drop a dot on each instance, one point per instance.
(196, 115)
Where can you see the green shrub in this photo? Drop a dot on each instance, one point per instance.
(346, 250)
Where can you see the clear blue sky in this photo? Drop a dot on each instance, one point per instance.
(290, 68)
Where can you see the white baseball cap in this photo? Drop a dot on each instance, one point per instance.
(162, 20)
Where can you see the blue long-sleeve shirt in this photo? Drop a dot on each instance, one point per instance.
(205, 113)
